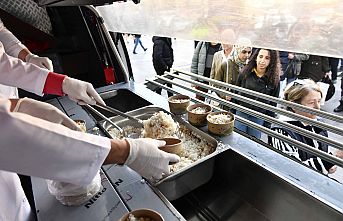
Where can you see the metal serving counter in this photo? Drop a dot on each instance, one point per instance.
(250, 182)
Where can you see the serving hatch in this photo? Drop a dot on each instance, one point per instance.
(186, 178)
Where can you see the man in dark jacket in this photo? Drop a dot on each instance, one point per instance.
(162, 57)
(315, 68)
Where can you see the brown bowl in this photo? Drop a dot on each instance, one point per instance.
(220, 128)
(173, 145)
(144, 213)
(198, 119)
(178, 103)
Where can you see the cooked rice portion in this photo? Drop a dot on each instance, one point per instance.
(133, 218)
(195, 147)
(179, 100)
(219, 118)
(160, 125)
(199, 110)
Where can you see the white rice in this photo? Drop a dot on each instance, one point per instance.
(133, 218)
(160, 125)
(195, 147)
(179, 100)
(219, 118)
(199, 110)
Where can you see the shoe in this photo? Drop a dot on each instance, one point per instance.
(339, 108)
(145, 49)
(135, 52)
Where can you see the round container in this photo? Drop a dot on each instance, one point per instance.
(178, 103)
(217, 128)
(198, 118)
(142, 213)
(82, 125)
(173, 145)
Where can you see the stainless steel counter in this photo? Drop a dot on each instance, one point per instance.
(250, 181)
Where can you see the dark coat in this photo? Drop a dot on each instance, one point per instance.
(162, 55)
(314, 68)
(252, 82)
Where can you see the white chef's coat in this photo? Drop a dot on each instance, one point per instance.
(12, 47)
(35, 147)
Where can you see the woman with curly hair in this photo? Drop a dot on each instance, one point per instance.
(261, 74)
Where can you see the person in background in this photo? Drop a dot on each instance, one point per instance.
(138, 41)
(315, 68)
(339, 108)
(261, 74)
(54, 150)
(305, 92)
(162, 58)
(202, 62)
(293, 68)
(333, 62)
(229, 69)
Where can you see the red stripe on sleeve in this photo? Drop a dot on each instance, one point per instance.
(53, 84)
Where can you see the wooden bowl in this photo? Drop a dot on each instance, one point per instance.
(178, 103)
(198, 119)
(144, 213)
(173, 145)
(217, 128)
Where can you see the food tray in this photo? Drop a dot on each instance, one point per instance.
(187, 178)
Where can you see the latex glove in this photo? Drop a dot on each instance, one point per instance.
(44, 111)
(42, 62)
(147, 160)
(81, 92)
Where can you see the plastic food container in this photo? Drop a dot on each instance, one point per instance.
(220, 123)
(74, 195)
(197, 114)
(178, 104)
(142, 214)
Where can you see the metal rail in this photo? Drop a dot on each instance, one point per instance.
(298, 144)
(325, 126)
(267, 97)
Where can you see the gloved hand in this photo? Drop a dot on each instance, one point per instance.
(81, 92)
(42, 62)
(44, 111)
(147, 160)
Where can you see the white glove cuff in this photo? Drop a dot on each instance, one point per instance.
(29, 57)
(133, 152)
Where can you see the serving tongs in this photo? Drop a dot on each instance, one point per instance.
(105, 118)
(118, 112)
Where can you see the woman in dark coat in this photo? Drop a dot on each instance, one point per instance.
(261, 74)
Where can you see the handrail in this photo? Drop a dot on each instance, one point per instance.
(265, 106)
(267, 97)
(298, 144)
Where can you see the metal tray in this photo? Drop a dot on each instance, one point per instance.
(187, 178)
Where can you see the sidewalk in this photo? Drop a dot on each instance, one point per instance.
(183, 52)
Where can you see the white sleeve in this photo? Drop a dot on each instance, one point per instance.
(14, 72)
(35, 147)
(12, 45)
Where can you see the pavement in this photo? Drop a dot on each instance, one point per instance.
(183, 51)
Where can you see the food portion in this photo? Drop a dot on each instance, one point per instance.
(180, 100)
(162, 125)
(219, 119)
(133, 218)
(199, 110)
